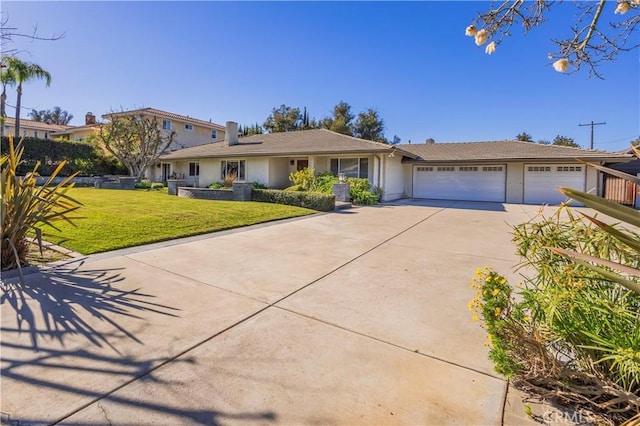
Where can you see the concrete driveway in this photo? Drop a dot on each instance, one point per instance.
(357, 317)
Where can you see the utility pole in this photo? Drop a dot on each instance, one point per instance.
(592, 124)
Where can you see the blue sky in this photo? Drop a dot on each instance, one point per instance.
(237, 60)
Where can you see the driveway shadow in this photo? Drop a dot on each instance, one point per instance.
(463, 205)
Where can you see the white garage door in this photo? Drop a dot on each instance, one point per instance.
(542, 181)
(467, 183)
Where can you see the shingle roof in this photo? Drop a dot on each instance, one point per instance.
(35, 125)
(502, 150)
(301, 142)
(76, 128)
(165, 114)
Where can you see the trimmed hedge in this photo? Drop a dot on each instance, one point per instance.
(309, 200)
(82, 157)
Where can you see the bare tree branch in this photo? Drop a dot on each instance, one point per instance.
(592, 43)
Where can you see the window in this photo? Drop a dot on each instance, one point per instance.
(46, 135)
(35, 133)
(229, 167)
(539, 169)
(166, 124)
(214, 134)
(425, 169)
(569, 168)
(446, 169)
(468, 169)
(492, 169)
(351, 167)
(194, 169)
(188, 127)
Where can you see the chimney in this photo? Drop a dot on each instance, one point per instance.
(89, 119)
(231, 133)
(430, 140)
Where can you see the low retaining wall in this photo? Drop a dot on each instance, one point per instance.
(205, 193)
(115, 182)
(78, 180)
(240, 191)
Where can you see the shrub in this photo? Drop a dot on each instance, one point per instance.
(26, 206)
(360, 192)
(324, 182)
(294, 188)
(229, 179)
(216, 185)
(258, 185)
(83, 158)
(143, 184)
(309, 200)
(573, 334)
(304, 178)
(157, 185)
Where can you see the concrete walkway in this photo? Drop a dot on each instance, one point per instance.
(357, 317)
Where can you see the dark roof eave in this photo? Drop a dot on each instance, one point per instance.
(280, 154)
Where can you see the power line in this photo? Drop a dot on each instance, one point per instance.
(592, 124)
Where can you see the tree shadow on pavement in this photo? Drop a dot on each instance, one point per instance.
(67, 296)
(61, 346)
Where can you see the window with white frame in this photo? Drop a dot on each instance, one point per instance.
(194, 169)
(166, 124)
(233, 167)
(188, 127)
(214, 134)
(351, 167)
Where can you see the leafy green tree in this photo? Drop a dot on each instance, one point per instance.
(254, 129)
(24, 72)
(136, 140)
(283, 119)
(369, 126)
(396, 140)
(51, 116)
(544, 142)
(524, 137)
(565, 141)
(342, 120)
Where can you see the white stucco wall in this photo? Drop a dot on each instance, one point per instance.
(394, 178)
(515, 183)
(408, 179)
(592, 182)
(257, 170)
(278, 173)
(209, 171)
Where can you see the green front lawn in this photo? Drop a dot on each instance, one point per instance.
(114, 219)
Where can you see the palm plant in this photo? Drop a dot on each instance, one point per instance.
(25, 206)
(7, 78)
(22, 73)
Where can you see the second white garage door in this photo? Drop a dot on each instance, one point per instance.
(466, 183)
(542, 181)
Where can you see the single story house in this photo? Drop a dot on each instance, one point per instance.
(503, 171)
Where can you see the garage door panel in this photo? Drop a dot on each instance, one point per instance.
(543, 181)
(468, 183)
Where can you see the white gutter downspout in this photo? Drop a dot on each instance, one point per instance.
(379, 171)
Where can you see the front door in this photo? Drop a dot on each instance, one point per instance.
(166, 171)
(302, 164)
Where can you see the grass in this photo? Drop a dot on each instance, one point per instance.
(115, 219)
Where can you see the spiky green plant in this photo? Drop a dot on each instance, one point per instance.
(26, 206)
(614, 271)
